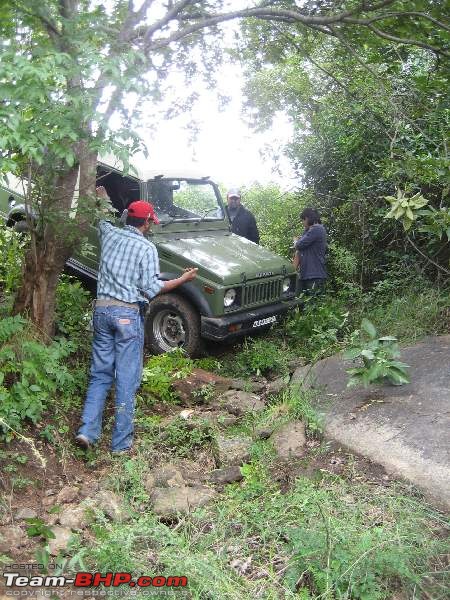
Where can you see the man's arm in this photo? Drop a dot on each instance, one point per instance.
(188, 275)
(296, 260)
(151, 284)
(312, 235)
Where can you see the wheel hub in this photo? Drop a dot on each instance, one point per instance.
(168, 330)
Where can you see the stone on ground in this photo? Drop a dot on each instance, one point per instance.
(12, 537)
(240, 403)
(233, 450)
(67, 494)
(289, 440)
(25, 513)
(168, 502)
(405, 428)
(226, 475)
(188, 387)
(61, 540)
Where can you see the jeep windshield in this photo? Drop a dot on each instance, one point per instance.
(184, 200)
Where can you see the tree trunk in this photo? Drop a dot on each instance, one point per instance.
(52, 244)
(36, 297)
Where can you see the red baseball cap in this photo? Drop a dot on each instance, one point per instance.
(143, 210)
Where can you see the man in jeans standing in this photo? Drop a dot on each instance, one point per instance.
(127, 279)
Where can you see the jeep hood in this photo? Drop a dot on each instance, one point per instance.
(225, 257)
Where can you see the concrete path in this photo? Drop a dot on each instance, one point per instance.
(404, 428)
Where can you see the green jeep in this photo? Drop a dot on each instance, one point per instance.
(241, 287)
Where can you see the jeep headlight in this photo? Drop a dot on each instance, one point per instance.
(229, 297)
(286, 284)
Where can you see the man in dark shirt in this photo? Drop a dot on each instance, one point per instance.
(243, 223)
(310, 249)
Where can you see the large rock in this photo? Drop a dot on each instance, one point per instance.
(240, 403)
(25, 513)
(189, 388)
(12, 538)
(289, 440)
(277, 385)
(111, 504)
(61, 540)
(233, 450)
(74, 517)
(404, 428)
(164, 476)
(67, 494)
(226, 475)
(168, 502)
(248, 385)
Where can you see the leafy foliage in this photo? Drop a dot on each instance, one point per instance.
(379, 356)
(31, 374)
(161, 370)
(405, 209)
(184, 438)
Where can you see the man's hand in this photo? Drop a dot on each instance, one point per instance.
(101, 192)
(189, 274)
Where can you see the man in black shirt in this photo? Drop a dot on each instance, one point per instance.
(310, 256)
(243, 223)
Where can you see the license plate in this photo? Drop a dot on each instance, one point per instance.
(266, 321)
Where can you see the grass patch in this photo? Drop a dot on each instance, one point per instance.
(326, 538)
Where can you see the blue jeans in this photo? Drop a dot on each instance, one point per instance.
(117, 357)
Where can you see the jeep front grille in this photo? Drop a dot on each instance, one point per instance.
(263, 291)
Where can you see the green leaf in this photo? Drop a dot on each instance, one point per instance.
(369, 328)
(352, 353)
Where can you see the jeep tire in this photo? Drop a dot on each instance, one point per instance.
(172, 322)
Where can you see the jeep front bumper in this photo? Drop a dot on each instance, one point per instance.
(245, 323)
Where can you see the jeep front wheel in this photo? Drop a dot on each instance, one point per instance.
(172, 322)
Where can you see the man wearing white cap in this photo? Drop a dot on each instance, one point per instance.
(243, 222)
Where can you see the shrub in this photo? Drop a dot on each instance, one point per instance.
(73, 304)
(160, 371)
(379, 357)
(31, 373)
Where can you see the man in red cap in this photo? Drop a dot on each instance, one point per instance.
(128, 278)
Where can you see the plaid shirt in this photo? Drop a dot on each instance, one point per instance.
(129, 265)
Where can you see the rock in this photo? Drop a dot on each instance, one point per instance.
(48, 501)
(289, 440)
(164, 476)
(263, 433)
(277, 385)
(67, 494)
(73, 517)
(233, 450)
(189, 388)
(226, 475)
(25, 513)
(167, 502)
(295, 363)
(239, 403)
(89, 488)
(220, 418)
(61, 540)
(248, 386)
(11, 538)
(110, 503)
(50, 492)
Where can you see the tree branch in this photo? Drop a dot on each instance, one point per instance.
(437, 265)
(406, 41)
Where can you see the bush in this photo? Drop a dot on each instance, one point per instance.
(161, 370)
(11, 254)
(258, 356)
(73, 309)
(31, 373)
